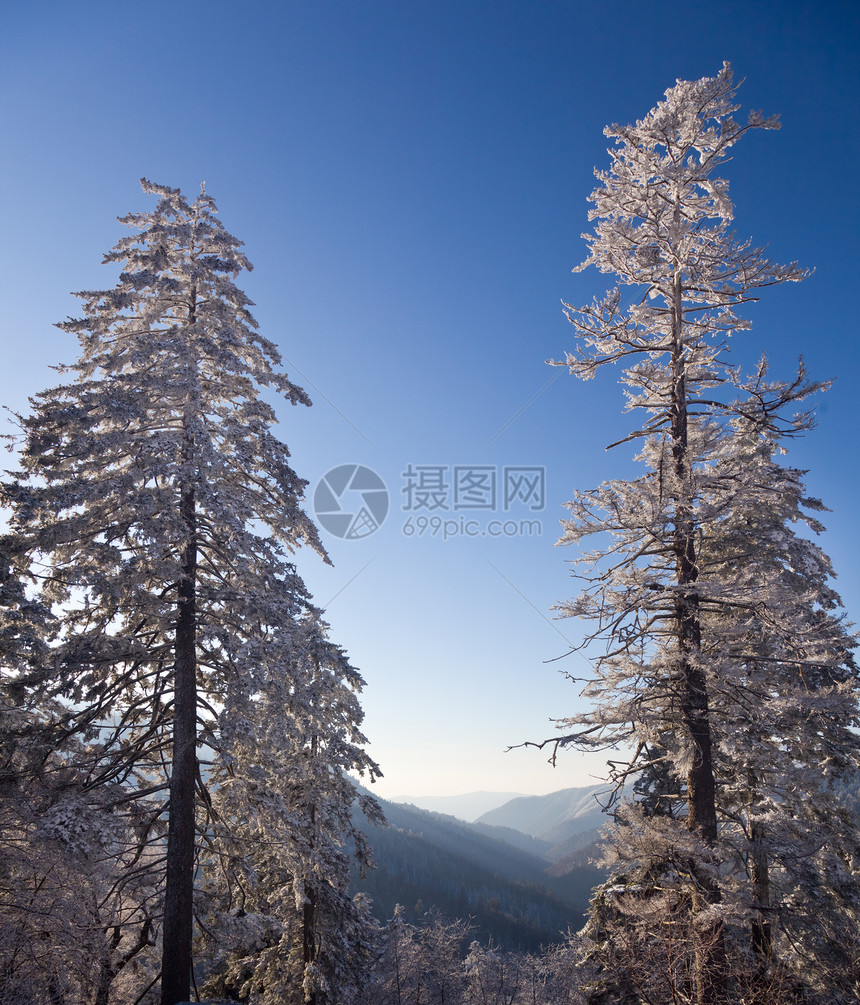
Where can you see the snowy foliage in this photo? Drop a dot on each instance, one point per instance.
(432, 964)
(77, 895)
(286, 854)
(164, 632)
(725, 666)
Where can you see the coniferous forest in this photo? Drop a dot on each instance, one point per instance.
(181, 783)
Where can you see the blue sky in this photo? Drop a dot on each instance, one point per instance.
(410, 179)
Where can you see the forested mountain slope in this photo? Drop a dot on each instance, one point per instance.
(565, 821)
(427, 860)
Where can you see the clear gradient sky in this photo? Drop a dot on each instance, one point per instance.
(410, 179)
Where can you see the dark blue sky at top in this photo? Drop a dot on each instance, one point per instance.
(410, 180)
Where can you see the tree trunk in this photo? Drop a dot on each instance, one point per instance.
(762, 935)
(711, 964)
(107, 972)
(309, 947)
(309, 911)
(179, 889)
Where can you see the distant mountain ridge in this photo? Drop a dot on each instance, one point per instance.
(553, 817)
(468, 806)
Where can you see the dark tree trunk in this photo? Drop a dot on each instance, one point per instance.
(113, 965)
(762, 935)
(178, 896)
(309, 946)
(176, 959)
(309, 912)
(711, 963)
(107, 971)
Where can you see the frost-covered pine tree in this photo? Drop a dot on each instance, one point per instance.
(783, 685)
(786, 709)
(726, 670)
(156, 514)
(295, 935)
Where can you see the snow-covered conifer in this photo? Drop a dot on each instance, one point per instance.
(284, 787)
(726, 668)
(156, 513)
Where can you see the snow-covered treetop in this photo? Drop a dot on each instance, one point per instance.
(177, 279)
(662, 226)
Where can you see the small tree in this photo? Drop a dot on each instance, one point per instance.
(495, 977)
(420, 964)
(290, 836)
(156, 514)
(726, 667)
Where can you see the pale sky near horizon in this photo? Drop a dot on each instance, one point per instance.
(411, 180)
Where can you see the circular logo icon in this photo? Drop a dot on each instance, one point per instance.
(351, 501)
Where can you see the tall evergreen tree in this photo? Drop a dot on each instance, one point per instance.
(726, 667)
(157, 514)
